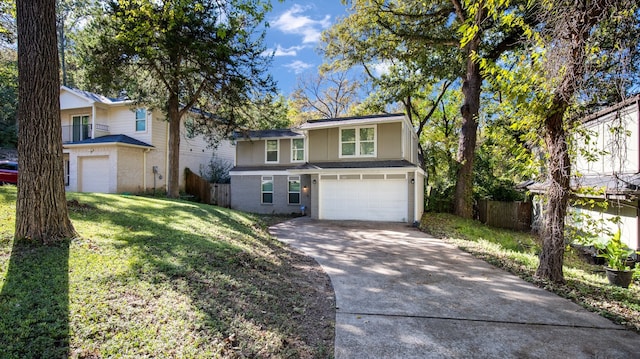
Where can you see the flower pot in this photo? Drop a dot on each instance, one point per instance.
(618, 277)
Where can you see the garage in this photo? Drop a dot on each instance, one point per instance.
(94, 174)
(361, 197)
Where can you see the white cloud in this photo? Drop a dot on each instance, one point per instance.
(285, 51)
(381, 68)
(293, 22)
(298, 66)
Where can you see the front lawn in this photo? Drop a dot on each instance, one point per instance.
(516, 252)
(156, 278)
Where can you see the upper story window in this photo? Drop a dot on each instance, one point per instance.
(81, 130)
(271, 147)
(297, 150)
(141, 119)
(358, 141)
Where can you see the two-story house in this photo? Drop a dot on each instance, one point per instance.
(355, 168)
(609, 159)
(113, 146)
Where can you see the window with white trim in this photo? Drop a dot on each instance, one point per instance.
(297, 150)
(141, 120)
(271, 151)
(294, 189)
(266, 190)
(66, 171)
(358, 141)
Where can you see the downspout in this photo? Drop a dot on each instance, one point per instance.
(415, 197)
(166, 156)
(93, 120)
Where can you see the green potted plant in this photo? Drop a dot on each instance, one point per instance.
(617, 256)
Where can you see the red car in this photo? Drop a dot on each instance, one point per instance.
(8, 172)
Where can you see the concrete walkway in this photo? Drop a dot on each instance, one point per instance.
(403, 294)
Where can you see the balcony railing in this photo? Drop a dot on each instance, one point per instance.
(77, 133)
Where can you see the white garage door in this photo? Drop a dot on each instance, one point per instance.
(366, 199)
(94, 174)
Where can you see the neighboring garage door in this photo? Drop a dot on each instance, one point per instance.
(94, 174)
(363, 199)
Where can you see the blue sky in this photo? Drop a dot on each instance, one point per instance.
(294, 35)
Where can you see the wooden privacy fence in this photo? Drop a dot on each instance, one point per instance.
(197, 187)
(210, 193)
(509, 215)
(221, 194)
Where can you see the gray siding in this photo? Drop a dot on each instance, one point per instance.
(253, 152)
(324, 144)
(246, 195)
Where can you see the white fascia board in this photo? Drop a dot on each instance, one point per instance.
(259, 173)
(353, 122)
(104, 144)
(372, 170)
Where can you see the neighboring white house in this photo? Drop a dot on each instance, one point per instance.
(609, 159)
(112, 146)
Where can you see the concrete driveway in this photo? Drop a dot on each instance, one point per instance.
(403, 294)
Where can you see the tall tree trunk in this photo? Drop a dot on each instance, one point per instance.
(558, 178)
(41, 208)
(579, 19)
(173, 188)
(471, 87)
(62, 44)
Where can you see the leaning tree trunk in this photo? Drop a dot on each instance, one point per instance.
(41, 208)
(471, 87)
(173, 185)
(559, 174)
(578, 19)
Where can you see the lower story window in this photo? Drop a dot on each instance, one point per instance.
(267, 189)
(294, 190)
(66, 172)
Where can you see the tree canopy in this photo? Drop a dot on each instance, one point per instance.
(423, 47)
(177, 55)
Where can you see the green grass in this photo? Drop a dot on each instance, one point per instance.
(517, 252)
(151, 277)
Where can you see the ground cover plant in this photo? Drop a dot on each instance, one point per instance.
(151, 277)
(517, 252)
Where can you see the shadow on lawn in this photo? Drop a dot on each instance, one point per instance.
(34, 302)
(250, 288)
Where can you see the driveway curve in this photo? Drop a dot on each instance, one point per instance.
(401, 293)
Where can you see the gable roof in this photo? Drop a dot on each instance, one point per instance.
(111, 139)
(354, 120)
(96, 98)
(633, 100)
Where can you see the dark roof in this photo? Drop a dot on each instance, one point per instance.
(329, 165)
(367, 117)
(620, 184)
(112, 139)
(280, 133)
(355, 164)
(347, 121)
(261, 168)
(633, 100)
